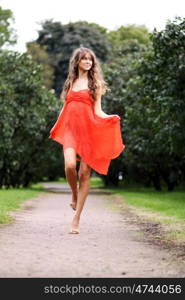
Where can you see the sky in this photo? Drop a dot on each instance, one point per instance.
(108, 13)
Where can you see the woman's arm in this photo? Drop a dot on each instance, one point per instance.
(97, 106)
(98, 110)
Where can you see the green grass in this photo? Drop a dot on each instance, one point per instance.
(96, 182)
(170, 204)
(61, 180)
(166, 208)
(11, 199)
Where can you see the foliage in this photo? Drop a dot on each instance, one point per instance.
(60, 41)
(162, 73)
(7, 35)
(121, 75)
(40, 56)
(148, 93)
(129, 33)
(27, 110)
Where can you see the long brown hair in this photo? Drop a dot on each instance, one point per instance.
(95, 76)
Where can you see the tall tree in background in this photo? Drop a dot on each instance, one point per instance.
(162, 73)
(149, 87)
(40, 56)
(148, 92)
(60, 41)
(121, 74)
(129, 33)
(27, 112)
(7, 34)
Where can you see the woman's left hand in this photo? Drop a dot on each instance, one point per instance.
(109, 116)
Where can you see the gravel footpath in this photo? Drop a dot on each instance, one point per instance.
(38, 243)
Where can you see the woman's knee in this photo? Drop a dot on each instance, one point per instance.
(70, 158)
(70, 165)
(84, 174)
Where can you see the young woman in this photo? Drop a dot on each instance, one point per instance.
(84, 129)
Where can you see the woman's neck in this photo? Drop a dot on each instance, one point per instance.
(82, 75)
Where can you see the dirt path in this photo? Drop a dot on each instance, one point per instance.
(37, 244)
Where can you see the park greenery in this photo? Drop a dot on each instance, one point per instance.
(145, 73)
(12, 199)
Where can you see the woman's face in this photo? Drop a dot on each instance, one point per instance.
(85, 63)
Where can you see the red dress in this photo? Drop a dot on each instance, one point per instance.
(96, 140)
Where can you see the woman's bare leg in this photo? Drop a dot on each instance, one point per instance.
(71, 173)
(84, 174)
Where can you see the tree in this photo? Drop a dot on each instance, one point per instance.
(154, 110)
(60, 41)
(121, 74)
(7, 34)
(27, 111)
(162, 74)
(124, 34)
(40, 56)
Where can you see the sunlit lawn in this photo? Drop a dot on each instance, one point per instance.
(166, 203)
(10, 199)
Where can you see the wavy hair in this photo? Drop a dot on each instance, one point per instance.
(95, 76)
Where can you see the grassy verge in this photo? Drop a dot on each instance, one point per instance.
(96, 182)
(171, 204)
(11, 199)
(166, 209)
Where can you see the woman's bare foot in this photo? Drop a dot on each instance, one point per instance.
(75, 225)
